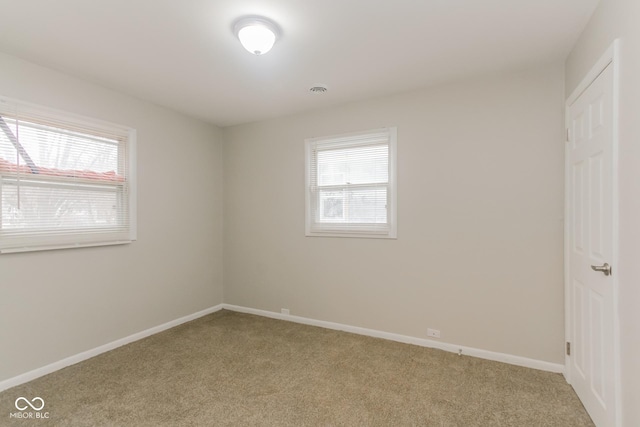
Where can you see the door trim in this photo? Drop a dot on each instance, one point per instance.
(610, 57)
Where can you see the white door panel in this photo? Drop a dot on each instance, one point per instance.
(590, 159)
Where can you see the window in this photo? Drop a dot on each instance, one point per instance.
(351, 185)
(65, 181)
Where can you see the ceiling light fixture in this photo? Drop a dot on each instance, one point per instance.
(257, 34)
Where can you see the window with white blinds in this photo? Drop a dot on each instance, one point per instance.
(65, 181)
(351, 185)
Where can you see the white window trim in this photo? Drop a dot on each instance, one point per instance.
(80, 239)
(392, 210)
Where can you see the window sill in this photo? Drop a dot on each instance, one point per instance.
(65, 246)
(357, 235)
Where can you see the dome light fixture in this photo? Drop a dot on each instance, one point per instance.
(257, 34)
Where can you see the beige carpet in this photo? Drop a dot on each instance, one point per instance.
(237, 369)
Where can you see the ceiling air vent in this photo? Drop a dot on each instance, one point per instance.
(318, 89)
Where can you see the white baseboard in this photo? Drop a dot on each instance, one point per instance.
(469, 351)
(72, 360)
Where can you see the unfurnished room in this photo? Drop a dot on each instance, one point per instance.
(320, 213)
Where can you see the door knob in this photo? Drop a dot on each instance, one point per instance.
(604, 268)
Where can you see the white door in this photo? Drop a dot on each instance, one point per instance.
(590, 222)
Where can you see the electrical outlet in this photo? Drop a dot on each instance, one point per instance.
(284, 311)
(433, 333)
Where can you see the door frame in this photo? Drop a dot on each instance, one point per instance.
(610, 57)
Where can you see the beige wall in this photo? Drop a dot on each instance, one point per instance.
(55, 304)
(479, 253)
(620, 19)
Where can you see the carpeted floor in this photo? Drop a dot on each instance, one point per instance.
(240, 370)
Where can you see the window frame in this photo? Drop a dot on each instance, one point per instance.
(312, 229)
(126, 190)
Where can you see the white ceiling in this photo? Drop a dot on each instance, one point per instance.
(182, 54)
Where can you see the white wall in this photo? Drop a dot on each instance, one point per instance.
(620, 19)
(55, 304)
(479, 253)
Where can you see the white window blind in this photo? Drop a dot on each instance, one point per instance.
(351, 184)
(65, 181)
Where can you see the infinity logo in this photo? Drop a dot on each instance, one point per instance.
(32, 403)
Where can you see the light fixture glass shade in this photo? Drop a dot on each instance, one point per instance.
(256, 34)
